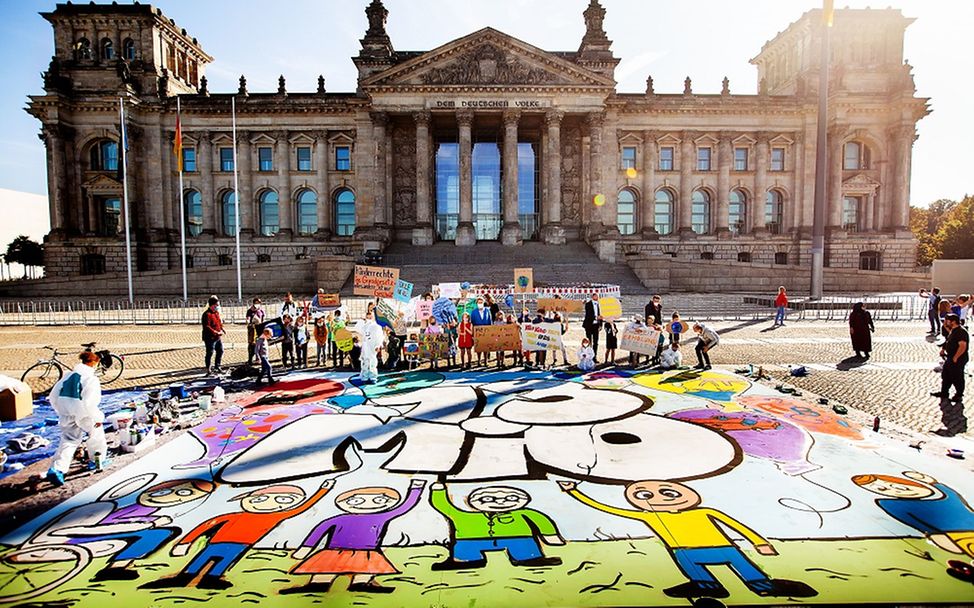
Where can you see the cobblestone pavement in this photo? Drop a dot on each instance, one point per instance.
(894, 384)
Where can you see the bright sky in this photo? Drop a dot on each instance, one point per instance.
(705, 39)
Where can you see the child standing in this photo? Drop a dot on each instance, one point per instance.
(287, 345)
(337, 355)
(355, 355)
(321, 340)
(301, 341)
(262, 352)
(781, 303)
(611, 341)
(676, 327)
(465, 341)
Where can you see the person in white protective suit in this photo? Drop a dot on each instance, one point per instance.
(372, 341)
(75, 398)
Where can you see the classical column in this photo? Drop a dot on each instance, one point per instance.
(511, 231)
(283, 161)
(553, 232)
(249, 220)
(207, 194)
(423, 232)
(466, 235)
(151, 199)
(835, 160)
(725, 157)
(758, 225)
(379, 122)
(901, 198)
(684, 208)
(868, 224)
(170, 179)
(321, 184)
(647, 201)
(55, 178)
(595, 123)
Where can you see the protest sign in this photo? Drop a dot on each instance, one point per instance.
(449, 290)
(493, 338)
(424, 309)
(561, 305)
(343, 340)
(276, 326)
(375, 281)
(678, 327)
(404, 291)
(640, 339)
(523, 280)
(541, 336)
(610, 308)
(434, 346)
(467, 305)
(444, 311)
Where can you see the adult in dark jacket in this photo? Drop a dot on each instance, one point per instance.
(212, 334)
(592, 322)
(860, 329)
(654, 311)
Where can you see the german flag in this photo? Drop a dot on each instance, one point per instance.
(177, 142)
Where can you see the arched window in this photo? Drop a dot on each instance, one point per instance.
(228, 209)
(700, 212)
(855, 156)
(663, 211)
(83, 48)
(104, 156)
(344, 212)
(307, 212)
(737, 212)
(270, 213)
(626, 216)
(194, 212)
(774, 211)
(128, 50)
(107, 49)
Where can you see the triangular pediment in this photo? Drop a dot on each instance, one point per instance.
(860, 183)
(487, 57)
(102, 183)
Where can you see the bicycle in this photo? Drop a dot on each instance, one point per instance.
(43, 375)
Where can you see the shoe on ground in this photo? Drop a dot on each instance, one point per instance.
(170, 582)
(538, 561)
(780, 587)
(105, 463)
(694, 589)
(115, 574)
(55, 477)
(452, 564)
(309, 588)
(372, 587)
(213, 582)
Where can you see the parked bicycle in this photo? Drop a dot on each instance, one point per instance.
(43, 375)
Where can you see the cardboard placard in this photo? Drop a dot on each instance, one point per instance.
(561, 305)
(404, 291)
(677, 327)
(449, 290)
(541, 336)
(642, 340)
(343, 340)
(523, 280)
(495, 338)
(328, 300)
(434, 346)
(424, 309)
(610, 308)
(375, 281)
(276, 325)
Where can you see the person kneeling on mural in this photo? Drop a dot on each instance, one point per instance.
(707, 340)
(671, 358)
(586, 357)
(354, 539)
(499, 522)
(262, 350)
(233, 534)
(75, 399)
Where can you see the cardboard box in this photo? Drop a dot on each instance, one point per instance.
(14, 406)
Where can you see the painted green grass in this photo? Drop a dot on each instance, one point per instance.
(607, 573)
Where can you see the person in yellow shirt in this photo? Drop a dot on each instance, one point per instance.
(690, 532)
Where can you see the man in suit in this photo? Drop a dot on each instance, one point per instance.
(592, 323)
(481, 316)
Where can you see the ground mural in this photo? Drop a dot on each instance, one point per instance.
(509, 488)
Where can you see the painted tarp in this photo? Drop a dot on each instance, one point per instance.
(509, 488)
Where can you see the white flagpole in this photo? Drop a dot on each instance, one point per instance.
(125, 196)
(236, 195)
(182, 205)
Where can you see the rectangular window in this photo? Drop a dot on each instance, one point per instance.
(304, 159)
(666, 159)
(343, 158)
(703, 159)
(265, 158)
(850, 213)
(189, 160)
(777, 159)
(740, 159)
(226, 159)
(629, 157)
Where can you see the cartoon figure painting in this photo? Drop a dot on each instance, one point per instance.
(353, 540)
(695, 540)
(499, 521)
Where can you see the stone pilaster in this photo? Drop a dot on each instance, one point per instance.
(725, 158)
(511, 231)
(249, 219)
(55, 177)
(321, 184)
(761, 160)
(835, 159)
(379, 122)
(151, 199)
(423, 232)
(466, 236)
(282, 161)
(205, 156)
(688, 159)
(595, 123)
(903, 145)
(647, 200)
(553, 232)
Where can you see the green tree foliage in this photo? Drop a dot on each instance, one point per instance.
(28, 253)
(945, 230)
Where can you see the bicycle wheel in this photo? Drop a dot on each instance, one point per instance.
(110, 374)
(27, 573)
(42, 376)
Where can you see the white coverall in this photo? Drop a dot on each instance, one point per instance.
(372, 338)
(75, 398)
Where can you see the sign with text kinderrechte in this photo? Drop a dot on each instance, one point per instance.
(375, 281)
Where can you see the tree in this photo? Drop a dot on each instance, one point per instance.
(944, 230)
(26, 252)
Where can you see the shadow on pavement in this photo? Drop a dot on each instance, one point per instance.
(850, 363)
(953, 419)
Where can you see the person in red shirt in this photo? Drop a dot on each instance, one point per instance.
(781, 303)
(213, 334)
(232, 534)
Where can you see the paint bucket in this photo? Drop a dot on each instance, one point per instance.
(204, 402)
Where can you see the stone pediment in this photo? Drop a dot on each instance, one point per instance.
(485, 58)
(102, 183)
(860, 183)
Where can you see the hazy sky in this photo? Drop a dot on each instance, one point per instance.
(705, 39)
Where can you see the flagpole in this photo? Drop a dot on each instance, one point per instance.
(179, 196)
(125, 196)
(821, 159)
(236, 195)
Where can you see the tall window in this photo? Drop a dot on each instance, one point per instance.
(740, 159)
(626, 215)
(171, 59)
(270, 213)
(343, 158)
(344, 212)
(774, 212)
(855, 156)
(194, 212)
(226, 159)
(83, 48)
(737, 212)
(850, 213)
(228, 208)
(447, 189)
(304, 158)
(104, 156)
(663, 211)
(528, 188)
(265, 158)
(128, 49)
(666, 158)
(703, 159)
(700, 212)
(107, 49)
(111, 210)
(629, 157)
(777, 159)
(485, 169)
(307, 212)
(189, 160)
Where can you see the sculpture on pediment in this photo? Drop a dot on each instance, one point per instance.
(489, 64)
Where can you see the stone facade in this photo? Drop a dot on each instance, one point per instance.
(322, 173)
